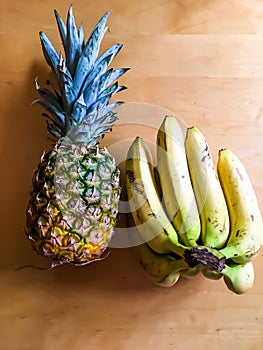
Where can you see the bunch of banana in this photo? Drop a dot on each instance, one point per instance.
(192, 215)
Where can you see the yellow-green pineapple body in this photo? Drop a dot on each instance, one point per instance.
(74, 204)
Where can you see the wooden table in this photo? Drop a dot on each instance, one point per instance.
(201, 60)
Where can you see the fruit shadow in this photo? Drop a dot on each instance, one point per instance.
(24, 139)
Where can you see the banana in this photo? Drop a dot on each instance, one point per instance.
(162, 269)
(177, 190)
(145, 204)
(211, 274)
(190, 273)
(215, 224)
(157, 181)
(239, 278)
(151, 220)
(246, 235)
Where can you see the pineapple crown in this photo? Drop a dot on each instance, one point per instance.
(80, 110)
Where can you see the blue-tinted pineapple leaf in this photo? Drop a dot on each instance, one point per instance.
(81, 38)
(62, 29)
(79, 110)
(112, 106)
(106, 122)
(90, 53)
(108, 118)
(66, 86)
(100, 117)
(103, 62)
(58, 96)
(103, 99)
(92, 92)
(112, 51)
(51, 108)
(100, 67)
(110, 76)
(92, 47)
(92, 127)
(104, 106)
(53, 130)
(111, 90)
(95, 74)
(79, 133)
(100, 104)
(49, 51)
(93, 78)
(73, 50)
(51, 98)
(54, 121)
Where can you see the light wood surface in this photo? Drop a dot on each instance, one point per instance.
(203, 61)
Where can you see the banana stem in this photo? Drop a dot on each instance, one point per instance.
(205, 256)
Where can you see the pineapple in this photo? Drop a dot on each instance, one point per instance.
(75, 190)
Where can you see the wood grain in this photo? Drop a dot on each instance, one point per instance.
(203, 61)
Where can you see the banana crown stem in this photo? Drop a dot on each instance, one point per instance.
(201, 255)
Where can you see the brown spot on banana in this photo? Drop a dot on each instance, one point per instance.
(130, 175)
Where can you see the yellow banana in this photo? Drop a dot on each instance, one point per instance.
(210, 198)
(239, 278)
(145, 204)
(162, 269)
(157, 181)
(246, 235)
(177, 190)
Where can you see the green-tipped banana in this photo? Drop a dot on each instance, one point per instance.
(145, 204)
(162, 269)
(211, 274)
(177, 190)
(191, 272)
(210, 198)
(246, 235)
(239, 278)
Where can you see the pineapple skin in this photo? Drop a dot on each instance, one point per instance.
(73, 204)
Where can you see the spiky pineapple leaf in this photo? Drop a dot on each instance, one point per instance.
(111, 52)
(79, 110)
(111, 90)
(89, 133)
(73, 49)
(81, 38)
(110, 76)
(66, 86)
(85, 82)
(62, 29)
(112, 106)
(90, 53)
(92, 94)
(51, 108)
(101, 65)
(103, 100)
(49, 51)
(53, 120)
(50, 98)
(99, 69)
(52, 128)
